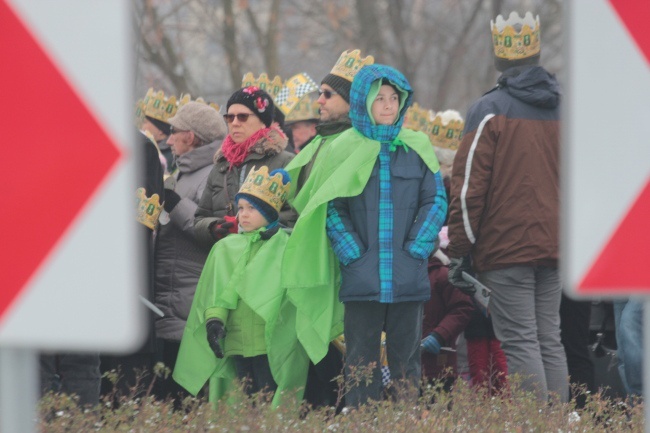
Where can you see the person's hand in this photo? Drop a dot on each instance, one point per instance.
(216, 332)
(456, 268)
(171, 200)
(431, 344)
(221, 230)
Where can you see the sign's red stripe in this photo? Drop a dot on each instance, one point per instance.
(623, 263)
(55, 155)
(635, 15)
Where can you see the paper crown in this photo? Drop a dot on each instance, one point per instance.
(349, 64)
(305, 109)
(269, 189)
(185, 98)
(272, 87)
(445, 129)
(417, 118)
(294, 89)
(156, 105)
(149, 208)
(516, 38)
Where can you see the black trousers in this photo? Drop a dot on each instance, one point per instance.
(575, 318)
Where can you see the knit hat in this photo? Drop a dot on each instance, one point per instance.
(257, 100)
(346, 67)
(201, 119)
(266, 191)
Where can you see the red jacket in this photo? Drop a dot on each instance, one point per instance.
(446, 313)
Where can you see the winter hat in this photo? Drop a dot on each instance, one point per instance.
(257, 100)
(201, 119)
(266, 191)
(346, 67)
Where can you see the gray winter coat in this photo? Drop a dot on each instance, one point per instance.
(179, 257)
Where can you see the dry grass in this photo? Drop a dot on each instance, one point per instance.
(462, 410)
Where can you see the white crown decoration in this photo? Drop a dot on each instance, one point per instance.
(294, 89)
(516, 38)
(447, 129)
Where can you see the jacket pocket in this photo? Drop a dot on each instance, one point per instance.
(406, 186)
(409, 275)
(360, 277)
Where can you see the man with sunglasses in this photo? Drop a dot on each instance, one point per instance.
(320, 297)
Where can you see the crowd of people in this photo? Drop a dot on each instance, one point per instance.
(291, 246)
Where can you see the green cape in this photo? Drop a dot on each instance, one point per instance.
(310, 269)
(230, 274)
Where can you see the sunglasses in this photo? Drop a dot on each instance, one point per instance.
(242, 117)
(327, 93)
(173, 130)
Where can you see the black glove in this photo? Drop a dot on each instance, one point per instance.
(220, 231)
(216, 332)
(171, 200)
(456, 268)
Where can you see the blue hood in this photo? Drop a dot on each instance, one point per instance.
(359, 92)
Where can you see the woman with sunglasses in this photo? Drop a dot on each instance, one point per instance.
(253, 140)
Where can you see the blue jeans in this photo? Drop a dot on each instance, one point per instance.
(628, 317)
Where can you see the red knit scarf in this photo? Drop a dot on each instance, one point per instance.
(235, 153)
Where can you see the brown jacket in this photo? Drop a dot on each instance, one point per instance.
(504, 207)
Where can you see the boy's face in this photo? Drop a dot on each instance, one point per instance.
(385, 107)
(249, 217)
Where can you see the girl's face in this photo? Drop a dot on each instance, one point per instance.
(249, 217)
(385, 107)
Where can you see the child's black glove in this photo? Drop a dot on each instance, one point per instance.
(216, 332)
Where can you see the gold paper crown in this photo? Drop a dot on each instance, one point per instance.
(272, 87)
(349, 64)
(294, 89)
(417, 118)
(186, 97)
(517, 38)
(305, 109)
(446, 129)
(148, 208)
(156, 105)
(269, 189)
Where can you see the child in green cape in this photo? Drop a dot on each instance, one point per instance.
(241, 324)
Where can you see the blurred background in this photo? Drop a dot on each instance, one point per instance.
(204, 47)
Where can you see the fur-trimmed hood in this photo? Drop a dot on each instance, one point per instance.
(272, 143)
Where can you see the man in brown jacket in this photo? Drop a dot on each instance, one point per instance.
(504, 216)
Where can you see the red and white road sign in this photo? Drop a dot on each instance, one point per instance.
(606, 153)
(70, 270)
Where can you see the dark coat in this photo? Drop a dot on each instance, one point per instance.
(446, 313)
